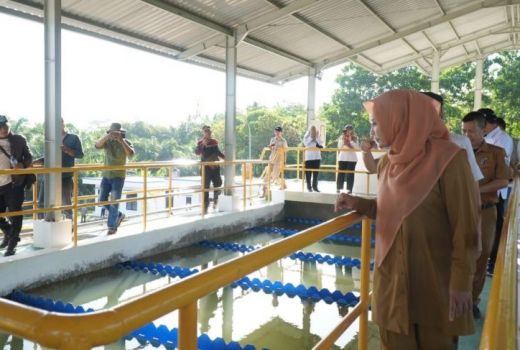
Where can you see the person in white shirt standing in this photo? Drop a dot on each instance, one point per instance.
(498, 137)
(312, 157)
(347, 160)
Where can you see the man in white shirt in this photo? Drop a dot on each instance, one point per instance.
(498, 137)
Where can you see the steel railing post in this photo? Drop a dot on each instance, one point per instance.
(188, 327)
(75, 186)
(145, 201)
(35, 199)
(244, 183)
(170, 191)
(202, 192)
(365, 284)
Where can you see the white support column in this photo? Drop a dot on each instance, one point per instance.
(479, 68)
(435, 71)
(52, 32)
(311, 96)
(53, 231)
(231, 83)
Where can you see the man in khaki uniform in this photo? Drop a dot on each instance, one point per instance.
(492, 162)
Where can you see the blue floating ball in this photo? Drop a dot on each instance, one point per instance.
(312, 290)
(69, 308)
(219, 344)
(290, 290)
(80, 310)
(163, 334)
(234, 346)
(142, 339)
(154, 341)
(59, 306)
(149, 329)
(204, 342)
(301, 290)
(173, 337)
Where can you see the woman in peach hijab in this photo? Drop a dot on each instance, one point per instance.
(426, 226)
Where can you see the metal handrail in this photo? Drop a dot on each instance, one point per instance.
(501, 323)
(83, 331)
(144, 166)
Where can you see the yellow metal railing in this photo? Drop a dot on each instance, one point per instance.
(146, 194)
(501, 324)
(80, 332)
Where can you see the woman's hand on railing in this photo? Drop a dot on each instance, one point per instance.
(460, 303)
(345, 201)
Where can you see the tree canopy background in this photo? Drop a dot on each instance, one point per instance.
(501, 92)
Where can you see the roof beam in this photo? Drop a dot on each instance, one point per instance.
(278, 51)
(244, 29)
(429, 40)
(385, 23)
(479, 51)
(460, 11)
(222, 29)
(191, 16)
(441, 9)
(263, 20)
(324, 32)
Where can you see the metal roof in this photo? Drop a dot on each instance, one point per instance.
(280, 40)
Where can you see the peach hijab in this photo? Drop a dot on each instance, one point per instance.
(420, 150)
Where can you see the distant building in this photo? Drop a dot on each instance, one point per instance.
(136, 183)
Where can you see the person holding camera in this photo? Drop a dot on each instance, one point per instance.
(312, 157)
(117, 149)
(14, 154)
(347, 158)
(71, 149)
(208, 150)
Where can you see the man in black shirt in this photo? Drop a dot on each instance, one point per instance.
(71, 149)
(207, 148)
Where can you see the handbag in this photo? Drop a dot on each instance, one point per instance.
(28, 179)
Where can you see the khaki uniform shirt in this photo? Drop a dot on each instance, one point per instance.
(492, 162)
(435, 250)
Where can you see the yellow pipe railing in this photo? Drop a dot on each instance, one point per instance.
(79, 332)
(501, 324)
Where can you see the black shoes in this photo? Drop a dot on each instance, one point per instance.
(13, 242)
(316, 189)
(309, 189)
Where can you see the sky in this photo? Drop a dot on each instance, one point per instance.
(104, 82)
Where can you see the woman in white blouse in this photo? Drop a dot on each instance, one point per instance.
(312, 157)
(347, 159)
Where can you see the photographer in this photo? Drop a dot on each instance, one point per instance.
(312, 157)
(117, 149)
(14, 154)
(347, 158)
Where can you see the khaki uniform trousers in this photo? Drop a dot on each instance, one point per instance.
(419, 338)
(489, 220)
